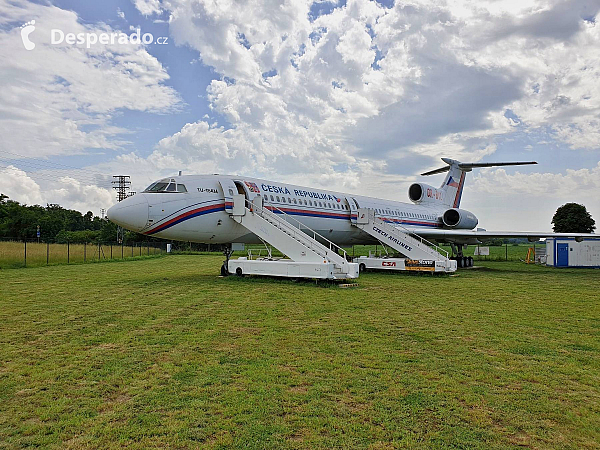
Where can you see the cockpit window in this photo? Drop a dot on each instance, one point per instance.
(167, 185)
(157, 187)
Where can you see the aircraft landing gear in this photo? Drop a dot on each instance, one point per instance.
(225, 267)
(461, 260)
(224, 271)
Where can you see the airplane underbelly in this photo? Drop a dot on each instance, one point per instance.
(219, 228)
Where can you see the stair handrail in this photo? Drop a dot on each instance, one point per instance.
(332, 245)
(412, 233)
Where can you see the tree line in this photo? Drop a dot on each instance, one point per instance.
(57, 224)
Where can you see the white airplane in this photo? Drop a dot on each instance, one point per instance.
(196, 208)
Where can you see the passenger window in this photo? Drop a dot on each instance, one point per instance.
(283, 199)
(294, 201)
(272, 199)
(181, 188)
(277, 198)
(320, 204)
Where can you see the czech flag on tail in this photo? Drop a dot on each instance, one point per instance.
(451, 182)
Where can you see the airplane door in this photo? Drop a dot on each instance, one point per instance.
(249, 189)
(353, 208)
(251, 192)
(562, 255)
(229, 190)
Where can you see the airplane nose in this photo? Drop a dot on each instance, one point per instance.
(131, 213)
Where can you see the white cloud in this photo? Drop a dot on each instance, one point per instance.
(358, 99)
(367, 89)
(148, 7)
(19, 187)
(532, 198)
(73, 194)
(59, 99)
(65, 191)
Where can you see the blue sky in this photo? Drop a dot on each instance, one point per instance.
(357, 96)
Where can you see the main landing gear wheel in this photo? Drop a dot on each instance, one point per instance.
(224, 271)
(470, 258)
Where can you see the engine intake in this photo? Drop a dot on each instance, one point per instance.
(423, 193)
(415, 192)
(459, 218)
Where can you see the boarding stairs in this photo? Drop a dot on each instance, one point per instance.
(291, 237)
(401, 239)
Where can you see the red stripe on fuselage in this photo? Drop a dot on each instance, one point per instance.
(184, 215)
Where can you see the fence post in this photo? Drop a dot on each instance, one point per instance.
(47, 252)
(122, 247)
(84, 250)
(98, 250)
(111, 251)
(506, 252)
(25, 252)
(68, 251)
(148, 247)
(132, 249)
(140, 249)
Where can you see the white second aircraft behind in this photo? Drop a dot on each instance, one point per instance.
(196, 208)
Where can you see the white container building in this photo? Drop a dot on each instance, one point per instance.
(570, 253)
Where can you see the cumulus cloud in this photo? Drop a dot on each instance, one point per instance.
(65, 191)
(59, 99)
(368, 84)
(148, 7)
(15, 183)
(356, 96)
(531, 198)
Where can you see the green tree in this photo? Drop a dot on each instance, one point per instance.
(573, 218)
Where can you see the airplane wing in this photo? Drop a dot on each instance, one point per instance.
(476, 236)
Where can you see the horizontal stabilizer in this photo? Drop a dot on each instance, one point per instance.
(467, 167)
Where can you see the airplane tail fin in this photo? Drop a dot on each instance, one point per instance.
(455, 180)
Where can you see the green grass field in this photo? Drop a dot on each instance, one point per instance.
(163, 353)
(12, 253)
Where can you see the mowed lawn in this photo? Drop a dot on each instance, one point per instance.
(163, 353)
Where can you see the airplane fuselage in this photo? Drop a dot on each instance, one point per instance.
(199, 213)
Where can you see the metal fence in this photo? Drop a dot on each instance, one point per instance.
(34, 252)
